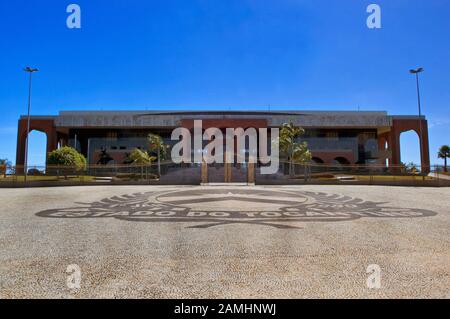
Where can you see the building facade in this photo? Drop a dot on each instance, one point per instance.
(333, 137)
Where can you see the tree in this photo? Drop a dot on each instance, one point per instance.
(68, 158)
(296, 152)
(4, 161)
(409, 168)
(157, 147)
(4, 164)
(141, 158)
(444, 153)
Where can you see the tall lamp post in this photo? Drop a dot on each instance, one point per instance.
(416, 73)
(30, 71)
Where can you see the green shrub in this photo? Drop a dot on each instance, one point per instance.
(67, 156)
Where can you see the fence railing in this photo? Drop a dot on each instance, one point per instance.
(357, 173)
(170, 173)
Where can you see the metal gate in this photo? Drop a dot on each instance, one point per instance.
(228, 173)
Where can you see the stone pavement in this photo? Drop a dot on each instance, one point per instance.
(224, 242)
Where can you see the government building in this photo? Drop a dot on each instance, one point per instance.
(333, 137)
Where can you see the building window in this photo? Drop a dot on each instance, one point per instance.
(111, 135)
(332, 135)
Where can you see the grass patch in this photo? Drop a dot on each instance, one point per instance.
(44, 178)
(393, 177)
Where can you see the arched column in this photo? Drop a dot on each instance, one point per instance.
(425, 148)
(44, 125)
(420, 126)
(394, 145)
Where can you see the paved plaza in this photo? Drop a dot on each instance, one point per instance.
(224, 242)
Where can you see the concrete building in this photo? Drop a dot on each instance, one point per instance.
(334, 137)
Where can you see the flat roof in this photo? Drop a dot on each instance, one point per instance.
(218, 112)
(172, 118)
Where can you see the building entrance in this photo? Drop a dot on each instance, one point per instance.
(228, 173)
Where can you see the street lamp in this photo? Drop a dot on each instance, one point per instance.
(30, 71)
(416, 73)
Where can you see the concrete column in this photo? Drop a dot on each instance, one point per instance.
(52, 140)
(227, 172)
(20, 152)
(382, 148)
(204, 172)
(251, 173)
(424, 149)
(394, 144)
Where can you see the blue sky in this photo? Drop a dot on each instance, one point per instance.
(234, 54)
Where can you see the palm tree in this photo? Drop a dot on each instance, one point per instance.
(444, 153)
(140, 158)
(157, 146)
(294, 151)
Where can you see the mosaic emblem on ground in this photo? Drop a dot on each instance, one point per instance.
(214, 207)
